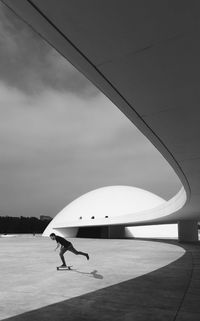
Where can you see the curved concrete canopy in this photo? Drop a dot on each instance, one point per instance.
(144, 55)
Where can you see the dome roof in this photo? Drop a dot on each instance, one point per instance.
(112, 200)
(109, 201)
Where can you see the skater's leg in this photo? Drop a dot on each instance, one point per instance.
(62, 251)
(73, 250)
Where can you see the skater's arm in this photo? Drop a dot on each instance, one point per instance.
(58, 244)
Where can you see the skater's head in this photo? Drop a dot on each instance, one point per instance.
(53, 236)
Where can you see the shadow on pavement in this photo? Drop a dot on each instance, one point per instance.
(92, 274)
(156, 296)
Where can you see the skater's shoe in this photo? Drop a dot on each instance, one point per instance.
(87, 256)
(62, 266)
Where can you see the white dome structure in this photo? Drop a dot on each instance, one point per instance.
(103, 206)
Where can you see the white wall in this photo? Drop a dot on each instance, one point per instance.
(153, 231)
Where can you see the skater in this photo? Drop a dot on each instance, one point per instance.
(65, 246)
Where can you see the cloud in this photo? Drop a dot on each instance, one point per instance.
(28, 63)
(59, 136)
(55, 147)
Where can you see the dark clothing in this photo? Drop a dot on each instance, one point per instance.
(62, 241)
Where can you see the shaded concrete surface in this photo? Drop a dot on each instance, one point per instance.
(124, 280)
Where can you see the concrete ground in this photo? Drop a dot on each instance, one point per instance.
(123, 280)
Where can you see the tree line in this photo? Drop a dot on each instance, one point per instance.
(15, 225)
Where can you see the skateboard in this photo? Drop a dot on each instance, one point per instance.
(64, 268)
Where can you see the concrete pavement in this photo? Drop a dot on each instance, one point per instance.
(123, 280)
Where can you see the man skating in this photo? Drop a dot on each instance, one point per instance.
(65, 246)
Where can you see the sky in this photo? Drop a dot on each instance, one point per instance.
(60, 137)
